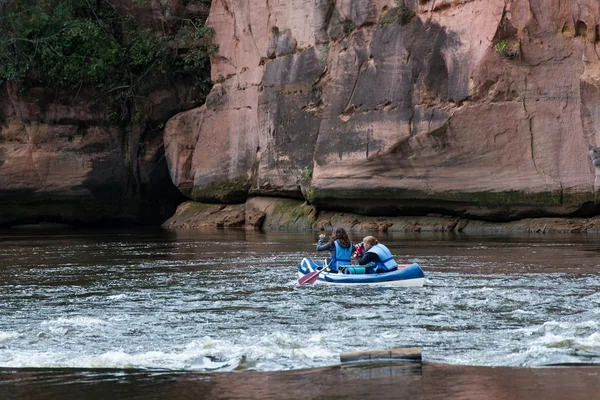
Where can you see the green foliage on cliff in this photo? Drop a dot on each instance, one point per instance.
(406, 14)
(89, 43)
(306, 174)
(500, 47)
(510, 50)
(400, 14)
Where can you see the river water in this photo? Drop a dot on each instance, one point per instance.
(224, 301)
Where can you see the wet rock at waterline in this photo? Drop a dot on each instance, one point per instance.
(283, 214)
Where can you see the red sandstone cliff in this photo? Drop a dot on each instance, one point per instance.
(481, 108)
(63, 160)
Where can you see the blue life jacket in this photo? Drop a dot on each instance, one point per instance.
(387, 262)
(342, 256)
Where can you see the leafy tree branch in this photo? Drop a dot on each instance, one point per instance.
(72, 44)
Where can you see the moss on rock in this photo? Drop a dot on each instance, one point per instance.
(193, 214)
(493, 199)
(292, 214)
(224, 191)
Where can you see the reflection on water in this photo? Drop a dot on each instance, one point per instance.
(228, 301)
(430, 382)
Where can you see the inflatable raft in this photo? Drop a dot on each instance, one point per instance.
(405, 275)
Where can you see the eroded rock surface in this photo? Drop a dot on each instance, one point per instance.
(477, 108)
(61, 162)
(64, 160)
(271, 213)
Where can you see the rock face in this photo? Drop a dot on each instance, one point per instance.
(272, 213)
(62, 160)
(257, 213)
(192, 215)
(477, 108)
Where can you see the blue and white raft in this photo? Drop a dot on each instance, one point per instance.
(405, 275)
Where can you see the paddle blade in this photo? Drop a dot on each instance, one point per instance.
(309, 278)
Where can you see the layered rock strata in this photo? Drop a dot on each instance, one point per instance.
(64, 160)
(475, 108)
(271, 213)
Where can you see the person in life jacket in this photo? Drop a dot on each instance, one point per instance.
(340, 249)
(376, 257)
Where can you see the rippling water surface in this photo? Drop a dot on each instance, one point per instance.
(228, 300)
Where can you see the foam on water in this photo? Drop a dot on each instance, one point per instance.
(80, 321)
(204, 354)
(7, 336)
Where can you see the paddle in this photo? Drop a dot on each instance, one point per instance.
(310, 278)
